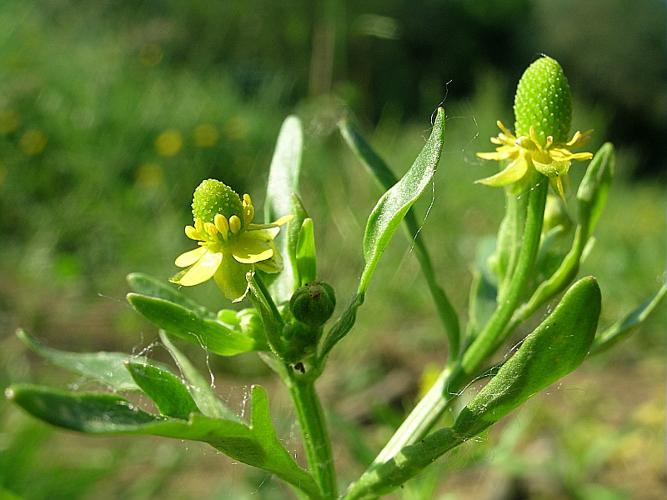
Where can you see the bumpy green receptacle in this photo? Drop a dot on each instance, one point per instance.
(543, 101)
(214, 197)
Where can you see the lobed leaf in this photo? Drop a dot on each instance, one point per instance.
(202, 393)
(191, 326)
(105, 414)
(166, 390)
(395, 203)
(105, 367)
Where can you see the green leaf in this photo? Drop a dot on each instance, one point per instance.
(552, 350)
(200, 388)
(105, 367)
(283, 182)
(105, 414)
(395, 203)
(623, 328)
(293, 230)
(271, 319)
(366, 154)
(153, 287)
(386, 179)
(342, 326)
(166, 390)
(555, 348)
(306, 255)
(189, 325)
(594, 187)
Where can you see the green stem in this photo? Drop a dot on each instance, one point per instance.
(315, 435)
(453, 379)
(446, 311)
(421, 418)
(495, 332)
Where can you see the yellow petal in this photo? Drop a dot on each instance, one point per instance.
(188, 258)
(266, 234)
(512, 173)
(201, 271)
(250, 250)
(192, 233)
(230, 278)
(494, 156)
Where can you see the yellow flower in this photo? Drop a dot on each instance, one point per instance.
(230, 245)
(526, 154)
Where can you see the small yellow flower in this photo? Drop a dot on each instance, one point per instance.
(230, 245)
(526, 154)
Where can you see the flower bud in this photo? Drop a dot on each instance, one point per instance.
(543, 102)
(313, 303)
(213, 197)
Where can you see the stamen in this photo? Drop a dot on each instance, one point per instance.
(211, 229)
(235, 224)
(199, 226)
(221, 224)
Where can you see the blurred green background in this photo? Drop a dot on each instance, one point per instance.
(112, 111)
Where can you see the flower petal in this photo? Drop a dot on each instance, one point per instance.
(188, 258)
(230, 278)
(498, 155)
(201, 271)
(510, 174)
(249, 250)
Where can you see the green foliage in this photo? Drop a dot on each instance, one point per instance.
(283, 184)
(105, 367)
(166, 390)
(190, 325)
(255, 444)
(392, 207)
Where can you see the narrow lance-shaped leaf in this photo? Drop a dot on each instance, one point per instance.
(623, 328)
(386, 178)
(148, 285)
(105, 414)
(306, 255)
(166, 390)
(395, 203)
(105, 367)
(200, 388)
(188, 325)
(551, 351)
(283, 181)
(293, 230)
(383, 222)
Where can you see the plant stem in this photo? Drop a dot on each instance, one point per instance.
(421, 418)
(453, 379)
(315, 435)
(495, 332)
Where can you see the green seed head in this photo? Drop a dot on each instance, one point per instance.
(543, 101)
(214, 197)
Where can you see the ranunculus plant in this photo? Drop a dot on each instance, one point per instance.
(287, 321)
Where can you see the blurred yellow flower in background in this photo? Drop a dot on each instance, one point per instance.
(169, 143)
(32, 142)
(205, 135)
